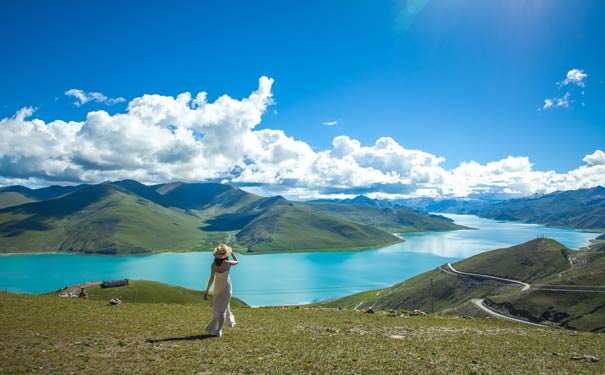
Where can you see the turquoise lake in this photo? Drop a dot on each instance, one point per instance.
(280, 279)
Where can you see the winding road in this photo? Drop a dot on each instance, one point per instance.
(480, 301)
(525, 286)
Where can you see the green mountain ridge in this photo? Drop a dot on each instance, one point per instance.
(127, 217)
(391, 219)
(544, 263)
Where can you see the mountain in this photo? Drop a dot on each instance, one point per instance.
(105, 219)
(582, 208)
(390, 219)
(16, 195)
(127, 217)
(554, 272)
(360, 199)
(446, 205)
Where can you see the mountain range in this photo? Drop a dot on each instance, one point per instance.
(582, 208)
(127, 217)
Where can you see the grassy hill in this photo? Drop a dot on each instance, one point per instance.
(16, 195)
(542, 262)
(154, 292)
(44, 334)
(390, 219)
(582, 309)
(127, 217)
(105, 219)
(13, 198)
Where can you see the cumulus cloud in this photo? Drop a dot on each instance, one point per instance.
(163, 138)
(597, 158)
(82, 97)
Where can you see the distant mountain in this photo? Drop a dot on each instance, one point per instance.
(449, 205)
(544, 263)
(391, 219)
(360, 199)
(22, 194)
(583, 208)
(127, 217)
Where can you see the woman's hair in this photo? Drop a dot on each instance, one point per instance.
(219, 261)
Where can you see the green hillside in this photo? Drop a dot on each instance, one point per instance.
(105, 219)
(393, 220)
(542, 262)
(51, 335)
(534, 260)
(13, 198)
(575, 299)
(153, 292)
(127, 217)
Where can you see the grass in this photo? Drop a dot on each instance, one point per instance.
(12, 198)
(530, 261)
(153, 292)
(51, 335)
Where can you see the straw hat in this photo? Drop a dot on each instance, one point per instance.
(222, 251)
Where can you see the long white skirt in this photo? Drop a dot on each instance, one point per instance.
(221, 309)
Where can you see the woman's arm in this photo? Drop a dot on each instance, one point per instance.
(234, 261)
(210, 281)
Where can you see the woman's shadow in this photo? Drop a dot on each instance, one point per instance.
(186, 338)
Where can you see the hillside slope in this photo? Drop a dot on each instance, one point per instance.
(147, 291)
(105, 219)
(541, 262)
(43, 334)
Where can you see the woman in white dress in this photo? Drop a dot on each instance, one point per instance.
(219, 274)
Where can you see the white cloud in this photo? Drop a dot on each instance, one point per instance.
(557, 102)
(331, 123)
(596, 158)
(576, 77)
(162, 138)
(82, 97)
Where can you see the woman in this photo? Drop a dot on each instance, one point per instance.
(219, 274)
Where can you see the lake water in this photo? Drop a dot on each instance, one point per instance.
(278, 279)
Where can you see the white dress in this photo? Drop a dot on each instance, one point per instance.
(221, 304)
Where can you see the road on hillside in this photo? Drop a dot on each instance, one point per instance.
(524, 285)
(479, 302)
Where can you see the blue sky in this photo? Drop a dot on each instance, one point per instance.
(459, 87)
